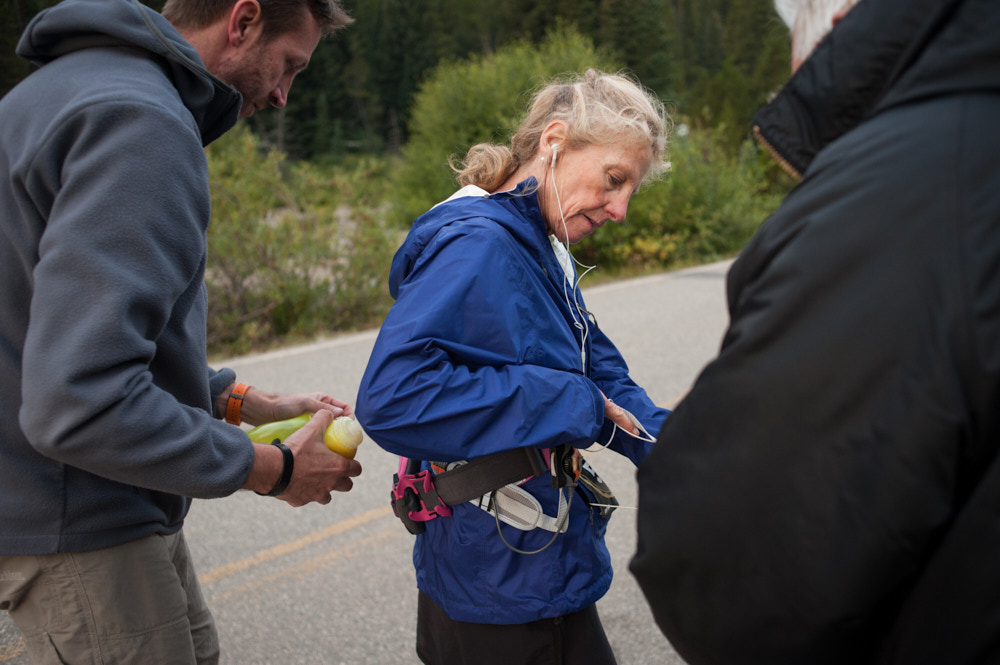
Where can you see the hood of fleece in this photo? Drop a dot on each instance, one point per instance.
(517, 211)
(74, 25)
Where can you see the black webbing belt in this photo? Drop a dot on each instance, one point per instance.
(485, 474)
(418, 496)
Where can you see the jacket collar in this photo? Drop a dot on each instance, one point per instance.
(849, 76)
(214, 103)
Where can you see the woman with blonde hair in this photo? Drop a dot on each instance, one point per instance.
(489, 375)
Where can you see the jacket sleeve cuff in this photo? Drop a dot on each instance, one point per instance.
(607, 431)
(606, 426)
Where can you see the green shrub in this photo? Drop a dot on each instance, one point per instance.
(294, 250)
(482, 99)
(705, 209)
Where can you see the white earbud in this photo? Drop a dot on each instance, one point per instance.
(555, 153)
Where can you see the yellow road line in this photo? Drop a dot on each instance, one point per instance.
(282, 549)
(303, 570)
(11, 651)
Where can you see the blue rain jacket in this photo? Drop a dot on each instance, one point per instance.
(480, 354)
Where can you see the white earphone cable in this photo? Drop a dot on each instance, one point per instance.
(575, 304)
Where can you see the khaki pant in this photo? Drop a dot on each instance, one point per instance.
(135, 603)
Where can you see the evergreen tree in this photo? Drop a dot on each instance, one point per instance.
(540, 18)
(714, 61)
(639, 33)
(14, 17)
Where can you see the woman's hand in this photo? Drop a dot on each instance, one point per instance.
(619, 416)
(260, 407)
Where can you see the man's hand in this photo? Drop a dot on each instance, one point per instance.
(317, 471)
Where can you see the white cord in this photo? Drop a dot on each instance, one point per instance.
(582, 327)
(596, 447)
(559, 528)
(643, 435)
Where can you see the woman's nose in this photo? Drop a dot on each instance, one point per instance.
(618, 207)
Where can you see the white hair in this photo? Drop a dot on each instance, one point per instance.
(809, 21)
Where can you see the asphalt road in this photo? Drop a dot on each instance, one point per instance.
(334, 585)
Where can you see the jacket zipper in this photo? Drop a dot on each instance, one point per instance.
(782, 162)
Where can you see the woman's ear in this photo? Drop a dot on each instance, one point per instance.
(553, 134)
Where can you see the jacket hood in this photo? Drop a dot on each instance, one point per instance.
(508, 209)
(883, 53)
(74, 25)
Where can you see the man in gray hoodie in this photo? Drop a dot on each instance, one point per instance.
(110, 417)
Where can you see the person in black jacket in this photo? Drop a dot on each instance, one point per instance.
(829, 490)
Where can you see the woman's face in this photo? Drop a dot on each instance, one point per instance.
(589, 185)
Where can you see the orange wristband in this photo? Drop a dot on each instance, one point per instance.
(235, 403)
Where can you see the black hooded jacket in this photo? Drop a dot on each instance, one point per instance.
(829, 491)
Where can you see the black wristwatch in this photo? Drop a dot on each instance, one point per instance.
(286, 470)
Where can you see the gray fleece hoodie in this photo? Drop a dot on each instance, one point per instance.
(106, 398)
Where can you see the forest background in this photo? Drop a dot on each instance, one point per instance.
(311, 201)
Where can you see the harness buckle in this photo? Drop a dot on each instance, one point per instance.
(414, 499)
(564, 466)
(419, 496)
